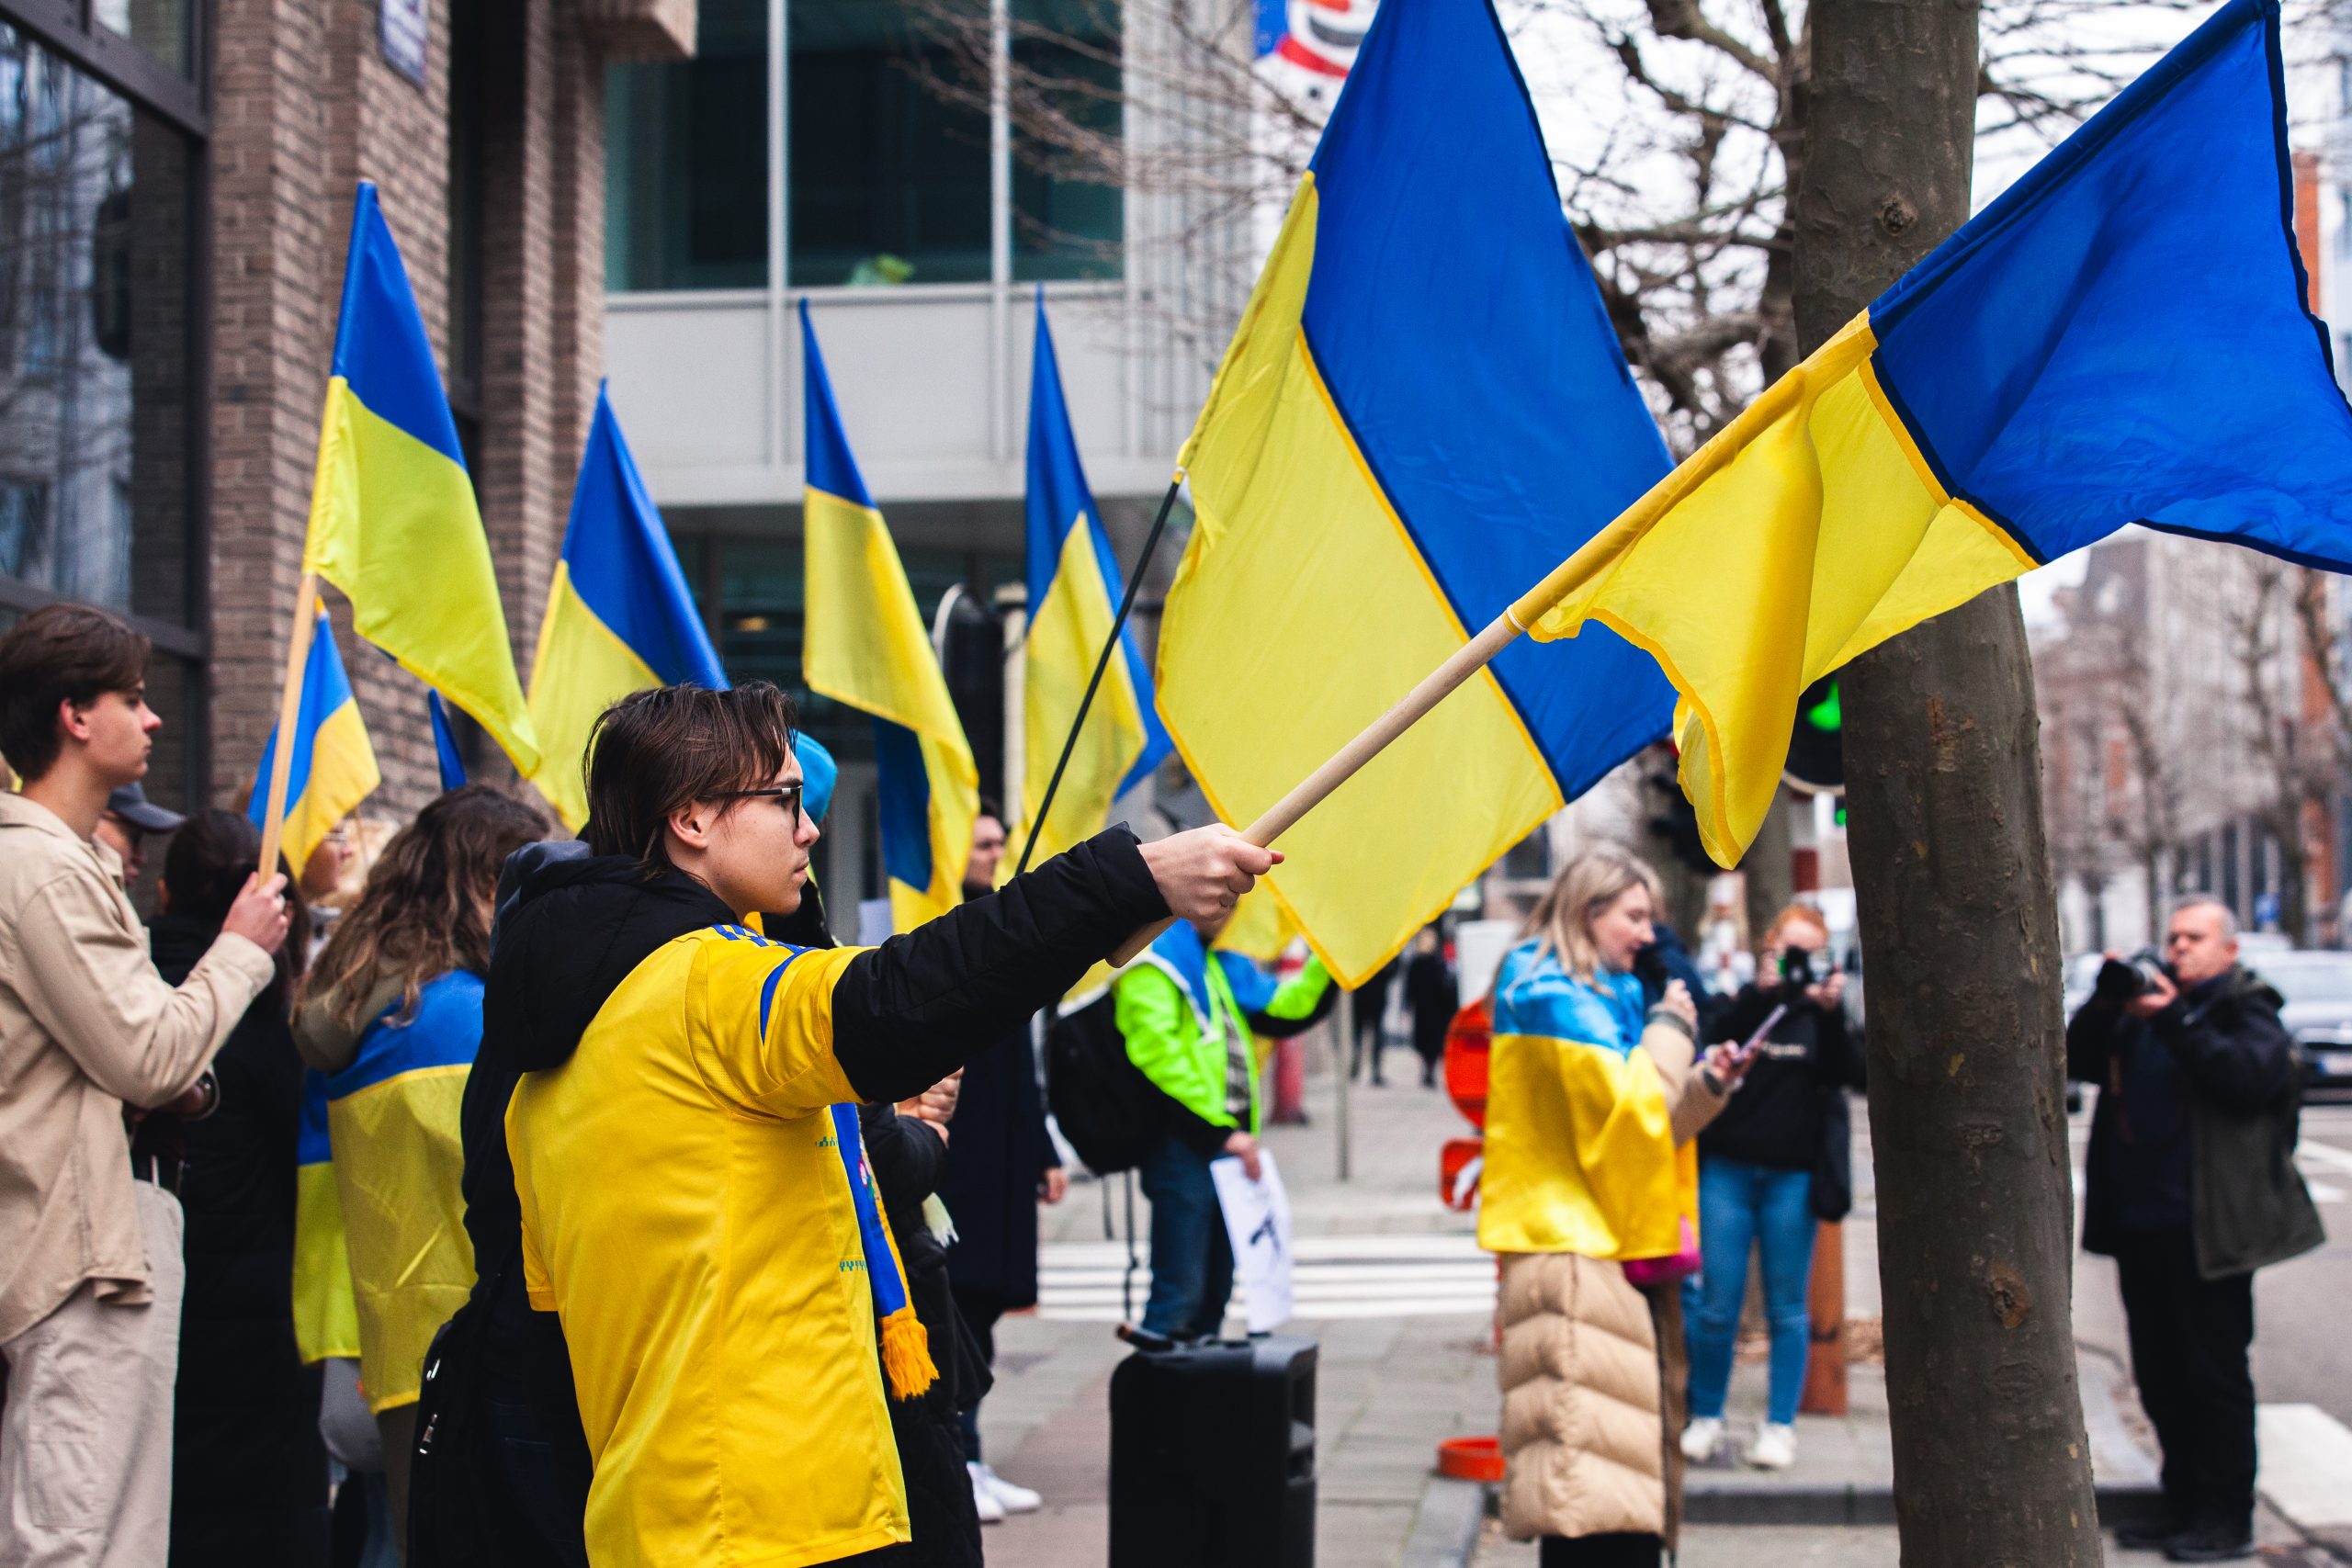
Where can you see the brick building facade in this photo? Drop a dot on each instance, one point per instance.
(248, 124)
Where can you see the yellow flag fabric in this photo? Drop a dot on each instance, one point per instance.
(1808, 531)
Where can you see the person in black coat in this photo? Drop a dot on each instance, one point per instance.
(249, 1470)
(1000, 1165)
(2190, 1185)
(1432, 999)
(907, 1155)
(1371, 1002)
(1762, 1164)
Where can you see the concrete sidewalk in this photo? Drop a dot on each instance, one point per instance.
(1400, 1303)
(1390, 1383)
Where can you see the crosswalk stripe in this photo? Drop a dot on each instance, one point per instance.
(1382, 1276)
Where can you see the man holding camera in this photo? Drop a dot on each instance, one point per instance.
(2191, 1186)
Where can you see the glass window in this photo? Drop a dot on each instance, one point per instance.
(159, 27)
(686, 160)
(1068, 221)
(95, 422)
(889, 174)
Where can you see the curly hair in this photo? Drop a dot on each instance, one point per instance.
(426, 910)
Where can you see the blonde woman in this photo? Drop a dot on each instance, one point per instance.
(1593, 1099)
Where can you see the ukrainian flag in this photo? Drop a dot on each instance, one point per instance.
(2121, 337)
(1074, 593)
(863, 645)
(619, 617)
(392, 517)
(1423, 409)
(332, 766)
(326, 1309)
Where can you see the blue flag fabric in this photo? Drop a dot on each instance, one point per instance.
(620, 615)
(444, 744)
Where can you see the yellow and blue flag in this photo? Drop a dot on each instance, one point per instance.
(1074, 593)
(619, 617)
(2122, 336)
(332, 765)
(1423, 410)
(863, 645)
(393, 522)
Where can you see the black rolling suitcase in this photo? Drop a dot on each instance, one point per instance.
(1212, 1456)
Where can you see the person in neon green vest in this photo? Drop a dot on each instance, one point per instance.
(1191, 1020)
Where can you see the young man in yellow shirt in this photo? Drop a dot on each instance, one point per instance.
(686, 1206)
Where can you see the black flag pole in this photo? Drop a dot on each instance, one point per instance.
(1110, 645)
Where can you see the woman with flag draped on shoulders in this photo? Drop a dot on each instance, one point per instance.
(391, 1014)
(1591, 1197)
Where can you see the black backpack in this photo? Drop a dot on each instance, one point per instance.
(464, 1508)
(450, 1519)
(1112, 1114)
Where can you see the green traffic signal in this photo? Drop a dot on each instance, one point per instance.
(1816, 742)
(1827, 713)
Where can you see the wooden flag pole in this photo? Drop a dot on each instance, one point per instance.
(289, 712)
(1597, 554)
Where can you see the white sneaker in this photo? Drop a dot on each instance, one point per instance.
(1011, 1499)
(984, 1501)
(1703, 1439)
(1775, 1447)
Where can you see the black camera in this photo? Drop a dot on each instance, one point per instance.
(2120, 979)
(1801, 967)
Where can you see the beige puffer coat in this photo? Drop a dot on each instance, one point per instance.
(1584, 1399)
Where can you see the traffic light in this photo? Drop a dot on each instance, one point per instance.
(1817, 746)
(1672, 820)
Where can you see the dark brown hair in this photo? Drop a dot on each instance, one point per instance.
(211, 854)
(60, 653)
(425, 909)
(660, 750)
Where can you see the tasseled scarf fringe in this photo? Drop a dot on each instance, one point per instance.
(906, 1345)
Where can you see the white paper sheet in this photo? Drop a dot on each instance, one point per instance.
(1257, 1219)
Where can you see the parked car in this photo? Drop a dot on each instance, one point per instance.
(2317, 985)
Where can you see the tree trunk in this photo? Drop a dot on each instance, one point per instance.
(1767, 870)
(1952, 872)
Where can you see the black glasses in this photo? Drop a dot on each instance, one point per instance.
(785, 796)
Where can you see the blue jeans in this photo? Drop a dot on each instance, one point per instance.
(1192, 1261)
(1742, 1205)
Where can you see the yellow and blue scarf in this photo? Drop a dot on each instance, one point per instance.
(906, 1346)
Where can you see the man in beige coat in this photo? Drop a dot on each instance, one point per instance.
(90, 1265)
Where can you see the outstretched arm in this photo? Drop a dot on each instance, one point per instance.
(910, 1012)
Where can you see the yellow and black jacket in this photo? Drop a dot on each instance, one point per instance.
(684, 1206)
